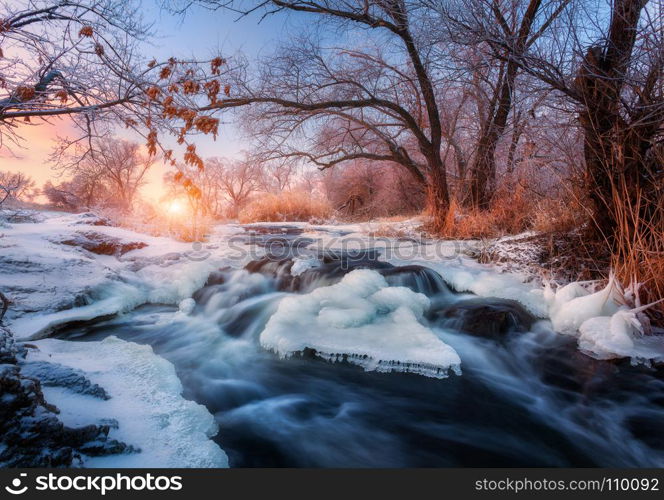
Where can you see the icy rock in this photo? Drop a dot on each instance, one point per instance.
(277, 268)
(57, 375)
(7, 347)
(91, 219)
(101, 244)
(301, 265)
(467, 276)
(364, 322)
(145, 400)
(486, 317)
(418, 278)
(217, 277)
(40, 281)
(31, 434)
(303, 274)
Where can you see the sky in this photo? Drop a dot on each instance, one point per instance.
(200, 32)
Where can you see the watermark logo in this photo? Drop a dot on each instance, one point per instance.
(197, 252)
(16, 487)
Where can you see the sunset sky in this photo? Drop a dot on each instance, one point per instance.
(201, 32)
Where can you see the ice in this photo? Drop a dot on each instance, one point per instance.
(145, 400)
(116, 297)
(52, 284)
(607, 328)
(571, 306)
(490, 283)
(172, 284)
(609, 336)
(303, 264)
(364, 322)
(620, 336)
(187, 306)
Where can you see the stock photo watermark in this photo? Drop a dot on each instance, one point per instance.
(254, 246)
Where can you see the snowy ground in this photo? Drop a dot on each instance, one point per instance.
(144, 400)
(63, 268)
(52, 281)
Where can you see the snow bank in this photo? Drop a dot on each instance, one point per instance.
(365, 322)
(606, 327)
(620, 336)
(572, 304)
(145, 400)
(51, 283)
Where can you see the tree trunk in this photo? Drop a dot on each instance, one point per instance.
(483, 172)
(438, 198)
(519, 125)
(614, 151)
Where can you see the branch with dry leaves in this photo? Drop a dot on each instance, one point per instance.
(81, 60)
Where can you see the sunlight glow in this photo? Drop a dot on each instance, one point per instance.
(176, 207)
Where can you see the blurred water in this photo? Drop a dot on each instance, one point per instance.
(526, 399)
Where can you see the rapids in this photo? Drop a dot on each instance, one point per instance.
(526, 395)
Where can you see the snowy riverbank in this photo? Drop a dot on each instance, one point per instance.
(62, 269)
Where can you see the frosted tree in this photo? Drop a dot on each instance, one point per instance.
(330, 104)
(15, 186)
(113, 166)
(82, 60)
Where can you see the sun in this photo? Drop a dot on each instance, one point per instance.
(176, 207)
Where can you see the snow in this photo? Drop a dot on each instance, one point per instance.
(52, 284)
(145, 400)
(572, 305)
(365, 322)
(620, 336)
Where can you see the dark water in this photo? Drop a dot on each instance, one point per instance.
(524, 399)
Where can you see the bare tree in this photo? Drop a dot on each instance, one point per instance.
(364, 189)
(111, 175)
(15, 186)
(61, 195)
(277, 175)
(81, 59)
(330, 105)
(85, 190)
(620, 86)
(476, 23)
(617, 90)
(237, 179)
(222, 186)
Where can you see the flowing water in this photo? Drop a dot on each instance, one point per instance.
(526, 397)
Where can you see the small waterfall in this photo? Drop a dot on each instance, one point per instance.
(333, 267)
(417, 278)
